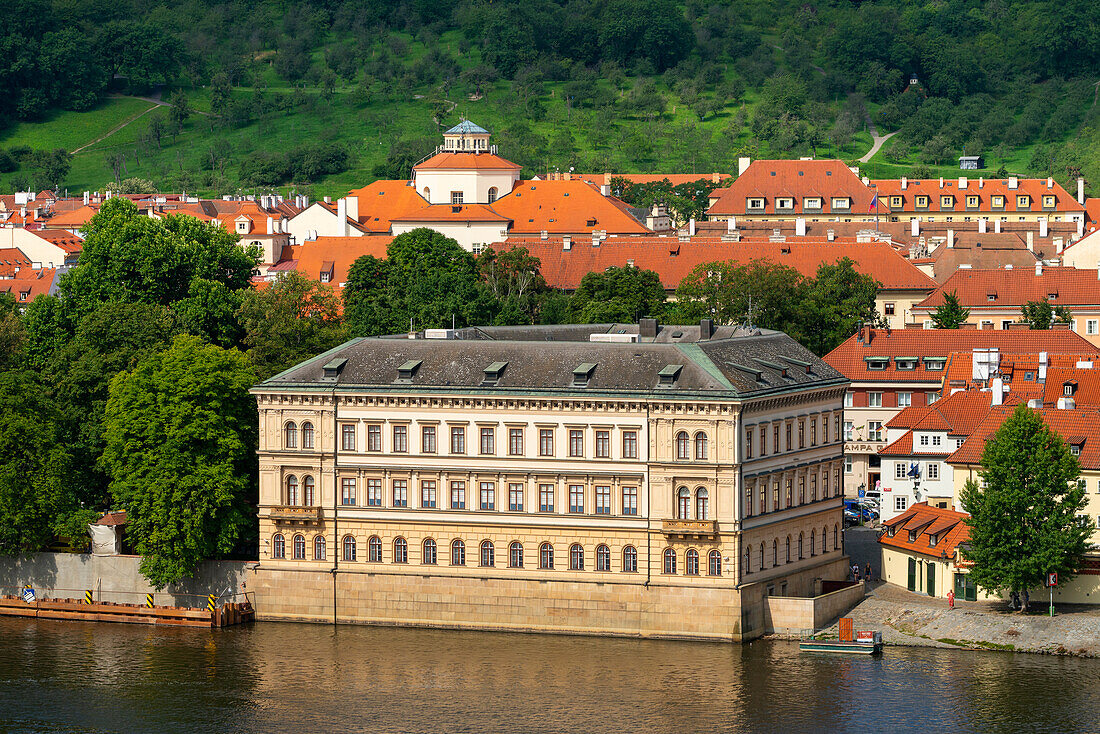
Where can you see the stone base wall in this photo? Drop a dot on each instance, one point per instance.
(659, 609)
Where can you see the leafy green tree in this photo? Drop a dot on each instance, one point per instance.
(1042, 315)
(837, 301)
(210, 312)
(180, 434)
(684, 201)
(13, 337)
(34, 490)
(623, 294)
(761, 293)
(289, 321)
(1025, 523)
(950, 314)
(512, 276)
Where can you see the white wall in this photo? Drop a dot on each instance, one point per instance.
(474, 184)
(467, 234)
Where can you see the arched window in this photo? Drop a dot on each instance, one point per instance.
(307, 435)
(428, 194)
(788, 549)
(299, 547)
(492, 194)
(292, 490)
(670, 560)
(813, 543)
(546, 556)
(630, 559)
(319, 549)
(691, 562)
(824, 540)
(349, 548)
(400, 550)
(836, 537)
(290, 435)
(761, 557)
(515, 555)
(488, 554)
(278, 546)
(428, 557)
(683, 504)
(775, 552)
(576, 557)
(702, 504)
(374, 549)
(458, 553)
(748, 562)
(309, 497)
(700, 446)
(800, 556)
(714, 565)
(683, 446)
(603, 558)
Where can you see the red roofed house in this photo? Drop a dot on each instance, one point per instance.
(995, 297)
(27, 285)
(328, 259)
(802, 189)
(920, 552)
(44, 247)
(893, 369)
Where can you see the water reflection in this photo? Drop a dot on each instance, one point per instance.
(277, 677)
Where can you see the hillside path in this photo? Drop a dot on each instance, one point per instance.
(154, 100)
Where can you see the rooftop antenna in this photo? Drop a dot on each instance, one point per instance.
(749, 325)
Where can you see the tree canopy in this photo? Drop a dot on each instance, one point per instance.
(950, 314)
(1042, 314)
(623, 294)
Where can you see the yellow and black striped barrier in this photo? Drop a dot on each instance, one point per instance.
(149, 600)
(88, 596)
(211, 602)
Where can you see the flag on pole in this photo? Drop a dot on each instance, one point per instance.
(874, 203)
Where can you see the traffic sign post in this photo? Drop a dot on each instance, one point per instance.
(1052, 581)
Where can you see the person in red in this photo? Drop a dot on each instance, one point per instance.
(950, 599)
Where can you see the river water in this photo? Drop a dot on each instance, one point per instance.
(269, 677)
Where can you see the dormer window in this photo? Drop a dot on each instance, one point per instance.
(669, 374)
(991, 296)
(784, 203)
(756, 203)
(932, 540)
(895, 202)
(921, 201)
(877, 363)
(326, 277)
(972, 202)
(1052, 296)
(905, 363)
(891, 530)
(492, 374)
(947, 202)
(1075, 449)
(912, 536)
(582, 374)
(1048, 202)
(841, 202)
(811, 202)
(1023, 201)
(935, 364)
(1069, 388)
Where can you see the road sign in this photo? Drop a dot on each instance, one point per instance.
(861, 493)
(28, 595)
(1052, 579)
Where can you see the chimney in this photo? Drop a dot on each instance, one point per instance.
(1031, 240)
(865, 180)
(1042, 366)
(647, 328)
(691, 227)
(962, 182)
(941, 182)
(1050, 182)
(328, 199)
(595, 238)
(830, 235)
(1039, 267)
(87, 197)
(997, 388)
(800, 227)
(981, 225)
(567, 243)
(715, 178)
(731, 224)
(904, 183)
(981, 182)
(1043, 227)
(743, 164)
(914, 225)
(353, 208)
(1013, 182)
(270, 225)
(342, 215)
(950, 239)
(997, 226)
(605, 190)
(1081, 191)
(543, 234)
(1058, 245)
(706, 329)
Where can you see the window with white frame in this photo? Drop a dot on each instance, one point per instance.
(874, 399)
(630, 444)
(905, 399)
(400, 493)
(847, 464)
(427, 494)
(374, 493)
(458, 495)
(488, 496)
(933, 470)
(901, 502)
(924, 440)
(900, 470)
(848, 399)
(874, 430)
(603, 499)
(546, 498)
(849, 430)
(1092, 326)
(576, 498)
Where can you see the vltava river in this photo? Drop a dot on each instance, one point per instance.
(77, 677)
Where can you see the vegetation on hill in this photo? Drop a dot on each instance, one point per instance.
(323, 96)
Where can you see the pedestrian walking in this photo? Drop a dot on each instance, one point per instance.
(950, 599)
(867, 571)
(855, 571)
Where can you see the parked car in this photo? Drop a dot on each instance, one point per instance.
(859, 510)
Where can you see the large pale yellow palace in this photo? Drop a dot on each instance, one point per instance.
(629, 479)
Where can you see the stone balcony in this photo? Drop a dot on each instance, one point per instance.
(690, 528)
(294, 514)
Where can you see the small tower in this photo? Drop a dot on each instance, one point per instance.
(466, 137)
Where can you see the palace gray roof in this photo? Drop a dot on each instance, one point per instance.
(465, 128)
(733, 362)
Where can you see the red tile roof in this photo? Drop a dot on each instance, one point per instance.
(1086, 383)
(673, 259)
(1013, 288)
(466, 161)
(796, 179)
(70, 243)
(849, 357)
(452, 213)
(383, 201)
(74, 219)
(12, 259)
(957, 414)
(984, 189)
(565, 207)
(28, 285)
(113, 518)
(1092, 214)
(1079, 426)
(948, 526)
(331, 254)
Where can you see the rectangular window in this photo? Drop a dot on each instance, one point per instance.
(630, 500)
(347, 491)
(630, 444)
(748, 442)
(775, 438)
(888, 309)
(813, 488)
(874, 430)
(847, 464)
(900, 471)
(933, 470)
(874, 400)
(603, 444)
(347, 437)
(427, 494)
(458, 439)
(763, 441)
(515, 442)
(427, 439)
(458, 495)
(546, 498)
(374, 493)
(937, 440)
(1092, 326)
(374, 437)
(924, 440)
(515, 497)
(488, 496)
(603, 500)
(900, 503)
(790, 444)
(813, 431)
(401, 439)
(748, 501)
(849, 399)
(802, 434)
(576, 442)
(775, 496)
(905, 399)
(488, 441)
(576, 498)
(456, 198)
(849, 430)
(546, 442)
(802, 490)
(400, 493)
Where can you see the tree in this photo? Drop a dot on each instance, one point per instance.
(761, 293)
(512, 276)
(950, 314)
(289, 321)
(623, 294)
(180, 434)
(837, 301)
(1025, 523)
(13, 337)
(1042, 315)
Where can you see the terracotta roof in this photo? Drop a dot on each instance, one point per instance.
(984, 189)
(948, 526)
(113, 518)
(901, 447)
(673, 259)
(1078, 425)
(452, 213)
(1092, 214)
(467, 161)
(796, 179)
(850, 357)
(74, 219)
(566, 207)
(335, 254)
(986, 251)
(383, 201)
(957, 414)
(12, 260)
(1013, 288)
(64, 239)
(28, 285)
(1086, 383)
